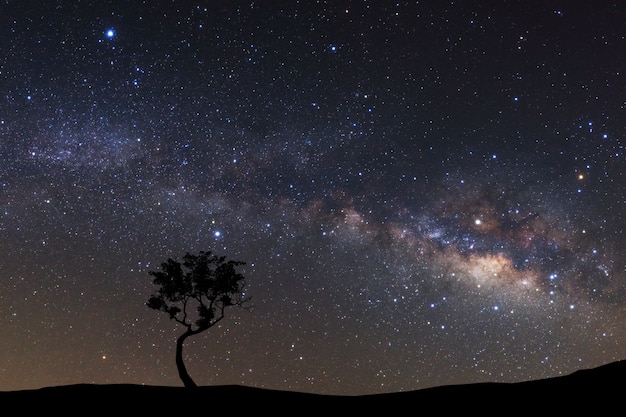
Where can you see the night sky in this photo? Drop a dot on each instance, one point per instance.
(424, 193)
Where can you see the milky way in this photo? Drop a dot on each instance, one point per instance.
(424, 193)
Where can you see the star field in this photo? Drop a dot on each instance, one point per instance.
(424, 193)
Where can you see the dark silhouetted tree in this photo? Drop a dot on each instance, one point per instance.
(195, 292)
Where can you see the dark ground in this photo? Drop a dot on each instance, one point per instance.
(599, 391)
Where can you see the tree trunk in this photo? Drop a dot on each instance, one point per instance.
(180, 364)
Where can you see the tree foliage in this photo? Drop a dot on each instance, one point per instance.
(204, 281)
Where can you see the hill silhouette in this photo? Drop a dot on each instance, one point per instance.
(597, 390)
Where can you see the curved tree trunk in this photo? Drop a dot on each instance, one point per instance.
(180, 364)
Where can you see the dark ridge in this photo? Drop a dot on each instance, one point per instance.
(596, 390)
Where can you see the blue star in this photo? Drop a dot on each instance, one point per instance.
(110, 33)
